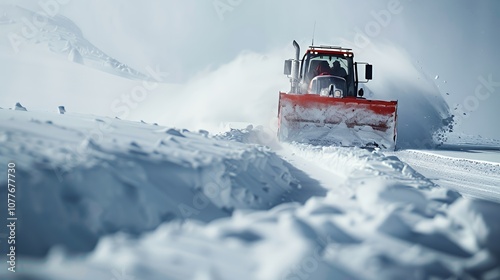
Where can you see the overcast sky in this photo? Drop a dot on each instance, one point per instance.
(439, 33)
(455, 39)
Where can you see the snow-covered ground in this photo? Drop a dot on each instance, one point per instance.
(95, 176)
(99, 197)
(102, 198)
(474, 173)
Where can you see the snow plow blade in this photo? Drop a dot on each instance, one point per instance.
(349, 121)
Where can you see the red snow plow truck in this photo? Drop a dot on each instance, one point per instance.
(325, 105)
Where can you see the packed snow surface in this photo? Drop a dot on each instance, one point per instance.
(142, 201)
(477, 176)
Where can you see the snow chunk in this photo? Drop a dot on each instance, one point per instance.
(174, 132)
(19, 107)
(61, 110)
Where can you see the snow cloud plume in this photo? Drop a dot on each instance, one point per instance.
(424, 117)
(244, 90)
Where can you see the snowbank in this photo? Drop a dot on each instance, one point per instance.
(380, 219)
(81, 177)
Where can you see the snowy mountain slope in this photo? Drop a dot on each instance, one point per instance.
(62, 37)
(85, 177)
(377, 218)
(43, 79)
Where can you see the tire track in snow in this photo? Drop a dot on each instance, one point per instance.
(472, 178)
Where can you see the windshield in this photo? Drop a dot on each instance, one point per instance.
(336, 66)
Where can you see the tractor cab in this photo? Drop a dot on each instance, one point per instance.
(326, 60)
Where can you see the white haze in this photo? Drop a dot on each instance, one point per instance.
(242, 91)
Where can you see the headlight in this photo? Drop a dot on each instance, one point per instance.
(324, 92)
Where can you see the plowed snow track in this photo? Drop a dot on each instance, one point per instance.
(472, 178)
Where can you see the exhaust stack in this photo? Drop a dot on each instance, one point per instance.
(295, 69)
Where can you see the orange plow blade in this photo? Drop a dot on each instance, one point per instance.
(350, 121)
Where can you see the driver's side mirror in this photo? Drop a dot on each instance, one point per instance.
(368, 71)
(288, 67)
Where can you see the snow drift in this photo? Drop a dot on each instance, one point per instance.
(380, 219)
(83, 177)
